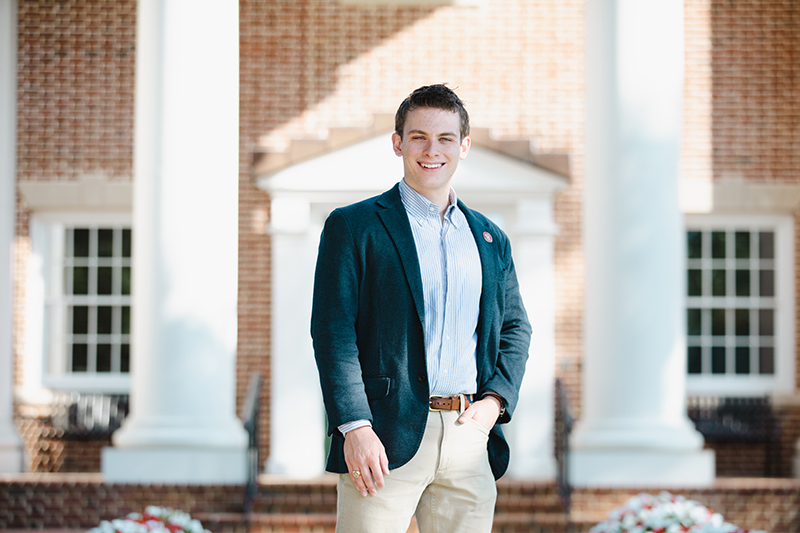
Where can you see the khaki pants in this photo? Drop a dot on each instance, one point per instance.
(448, 484)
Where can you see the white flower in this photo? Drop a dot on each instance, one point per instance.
(154, 520)
(664, 514)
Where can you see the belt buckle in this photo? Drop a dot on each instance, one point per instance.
(432, 409)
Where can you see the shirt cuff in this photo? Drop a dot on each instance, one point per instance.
(350, 426)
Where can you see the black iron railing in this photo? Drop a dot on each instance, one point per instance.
(739, 420)
(250, 414)
(563, 428)
(88, 416)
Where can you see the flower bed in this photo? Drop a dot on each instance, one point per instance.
(154, 519)
(665, 513)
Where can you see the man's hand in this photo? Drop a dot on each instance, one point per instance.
(485, 412)
(364, 452)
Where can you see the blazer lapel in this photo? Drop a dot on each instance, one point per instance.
(395, 219)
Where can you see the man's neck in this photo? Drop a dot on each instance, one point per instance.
(439, 198)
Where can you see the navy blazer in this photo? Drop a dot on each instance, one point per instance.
(367, 327)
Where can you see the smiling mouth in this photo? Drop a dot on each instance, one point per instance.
(431, 166)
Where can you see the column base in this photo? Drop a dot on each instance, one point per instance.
(12, 455)
(198, 466)
(11, 459)
(642, 468)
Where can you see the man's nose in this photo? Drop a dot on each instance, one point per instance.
(431, 147)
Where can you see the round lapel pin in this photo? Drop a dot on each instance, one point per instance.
(487, 236)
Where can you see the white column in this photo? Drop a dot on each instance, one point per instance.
(10, 442)
(297, 436)
(633, 428)
(530, 433)
(183, 427)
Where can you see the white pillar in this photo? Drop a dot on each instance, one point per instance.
(10, 442)
(633, 428)
(530, 433)
(297, 436)
(183, 427)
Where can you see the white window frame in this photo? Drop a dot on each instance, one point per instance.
(45, 321)
(783, 379)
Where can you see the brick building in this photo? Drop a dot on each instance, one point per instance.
(316, 82)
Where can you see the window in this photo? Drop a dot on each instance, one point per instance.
(739, 305)
(80, 282)
(96, 299)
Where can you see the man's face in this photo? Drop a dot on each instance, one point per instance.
(431, 149)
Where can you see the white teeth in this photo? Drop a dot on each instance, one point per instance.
(429, 165)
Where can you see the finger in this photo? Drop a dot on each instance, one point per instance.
(356, 475)
(469, 413)
(384, 463)
(369, 484)
(377, 475)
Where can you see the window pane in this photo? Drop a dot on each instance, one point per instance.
(695, 283)
(742, 283)
(694, 244)
(718, 283)
(126, 320)
(126, 243)
(104, 315)
(766, 245)
(718, 360)
(742, 245)
(105, 243)
(694, 322)
(80, 320)
(742, 360)
(126, 280)
(766, 282)
(742, 322)
(104, 358)
(695, 362)
(766, 360)
(766, 322)
(80, 243)
(125, 358)
(105, 280)
(80, 357)
(80, 280)
(718, 322)
(718, 245)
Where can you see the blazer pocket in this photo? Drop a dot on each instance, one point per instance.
(377, 387)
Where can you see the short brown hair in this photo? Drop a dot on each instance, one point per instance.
(436, 96)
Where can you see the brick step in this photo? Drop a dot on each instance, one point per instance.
(512, 503)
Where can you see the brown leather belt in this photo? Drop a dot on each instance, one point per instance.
(450, 403)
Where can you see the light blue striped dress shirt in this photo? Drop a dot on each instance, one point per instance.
(451, 281)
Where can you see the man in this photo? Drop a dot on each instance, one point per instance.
(420, 337)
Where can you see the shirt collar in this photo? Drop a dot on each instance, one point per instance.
(421, 208)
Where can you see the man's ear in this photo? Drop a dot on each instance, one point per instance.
(466, 142)
(397, 144)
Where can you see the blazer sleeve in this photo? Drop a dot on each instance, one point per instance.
(333, 324)
(514, 341)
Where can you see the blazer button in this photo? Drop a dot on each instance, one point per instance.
(420, 378)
